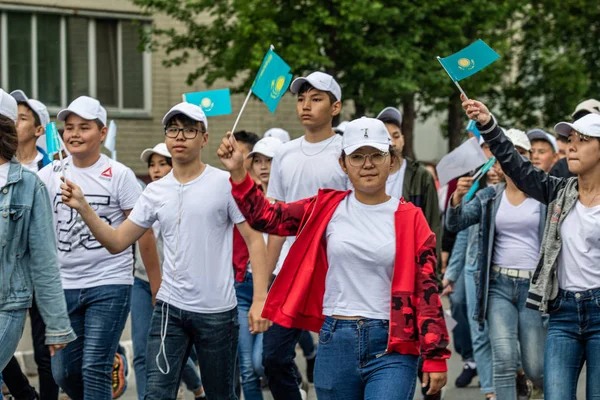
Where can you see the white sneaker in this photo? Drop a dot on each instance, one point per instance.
(303, 394)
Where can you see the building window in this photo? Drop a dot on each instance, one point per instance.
(57, 57)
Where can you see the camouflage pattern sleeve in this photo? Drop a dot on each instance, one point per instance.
(433, 334)
(282, 219)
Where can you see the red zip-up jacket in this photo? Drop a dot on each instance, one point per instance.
(295, 300)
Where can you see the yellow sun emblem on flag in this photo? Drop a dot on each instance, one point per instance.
(466, 63)
(277, 86)
(207, 104)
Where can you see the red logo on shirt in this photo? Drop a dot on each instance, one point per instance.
(107, 172)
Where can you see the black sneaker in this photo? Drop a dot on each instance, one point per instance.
(310, 369)
(524, 387)
(466, 376)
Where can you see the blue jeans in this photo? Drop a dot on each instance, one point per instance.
(573, 338)
(482, 348)
(461, 332)
(250, 346)
(98, 315)
(514, 326)
(12, 323)
(215, 337)
(350, 364)
(141, 314)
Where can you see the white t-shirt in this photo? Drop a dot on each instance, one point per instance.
(299, 169)
(197, 272)
(395, 182)
(361, 250)
(4, 173)
(579, 258)
(33, 166)
(110, 187)
(517, 241)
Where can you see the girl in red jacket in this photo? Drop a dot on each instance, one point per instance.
(361, 273)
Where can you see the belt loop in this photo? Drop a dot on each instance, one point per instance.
(334, 324)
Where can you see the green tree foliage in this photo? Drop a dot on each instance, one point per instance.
(382, 52)
(558, 62)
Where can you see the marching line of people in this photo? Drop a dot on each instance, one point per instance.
(337, 234)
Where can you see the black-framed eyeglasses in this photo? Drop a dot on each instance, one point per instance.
(188, 133)
(358, 159)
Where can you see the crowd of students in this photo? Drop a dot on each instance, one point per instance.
(226, 271)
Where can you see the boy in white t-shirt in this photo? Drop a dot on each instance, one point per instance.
(31, 123)
(298, 170)
(196, 303)
(97, 284)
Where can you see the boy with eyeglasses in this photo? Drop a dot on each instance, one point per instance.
(196, 304)
(97, 283)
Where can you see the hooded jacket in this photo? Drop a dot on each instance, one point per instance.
(295, 300)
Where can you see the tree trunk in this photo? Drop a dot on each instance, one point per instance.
(408, 125)
(455, 121)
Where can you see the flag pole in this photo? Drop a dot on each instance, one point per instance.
(245, 102)
(242, 110)
(455, 82)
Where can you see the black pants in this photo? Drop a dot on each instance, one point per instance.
(41, 354)
(17, 382)
(13, 376)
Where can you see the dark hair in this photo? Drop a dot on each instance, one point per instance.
(561, 138)
(307, 86)
(580, 114)
(245, 137)
(8, 138)
(36, 118)
(99, 123)
(185, 121)
(392, 122)
(167, 159)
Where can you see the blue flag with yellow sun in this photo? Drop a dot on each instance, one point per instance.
(212, 102)
(272, 80)
(469, 60)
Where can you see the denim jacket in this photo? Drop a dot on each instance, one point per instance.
(482, 210)
(465, 253)
(560, 194)
(28, 254)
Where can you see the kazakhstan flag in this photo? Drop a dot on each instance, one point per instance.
(52, 141)
(469, 60)
(212, 102)
(272, 81)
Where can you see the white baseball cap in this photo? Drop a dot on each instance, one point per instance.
(341, 127)
(278, 133)
(188, 109)
(86, 107)
(591, 106)
(266, 146)
(588, 125)
(540, 134)
(518, 138)
(365, 132)
(8, 106)
(36, 106)
(320, 81)
(160, 148)
(391, 113)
